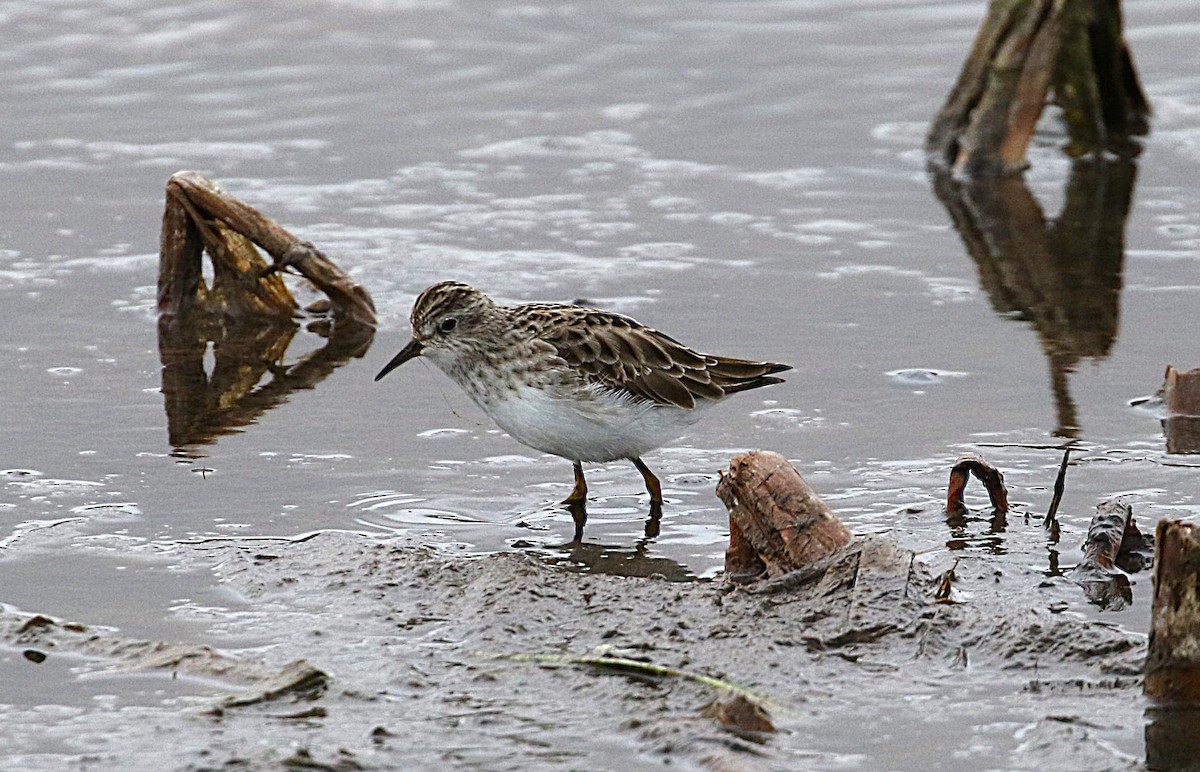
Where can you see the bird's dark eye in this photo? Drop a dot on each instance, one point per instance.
(447, 324)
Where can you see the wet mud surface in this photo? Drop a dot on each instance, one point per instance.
(412, 655)
(192, 516)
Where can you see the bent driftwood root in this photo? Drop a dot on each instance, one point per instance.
(201, 217)
(991, 477)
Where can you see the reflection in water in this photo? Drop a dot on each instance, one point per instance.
(1172, 741)
(1062, 275)
(202, 407)
(578, 510)
(614, 559)
(961, 538)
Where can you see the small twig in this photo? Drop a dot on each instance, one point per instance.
(632, 667)
(1051, 522)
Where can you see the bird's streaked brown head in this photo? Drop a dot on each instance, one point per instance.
(445, 318)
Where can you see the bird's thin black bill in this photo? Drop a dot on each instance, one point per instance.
(411, 351)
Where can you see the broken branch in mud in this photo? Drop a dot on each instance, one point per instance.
(200, 217)
(1112, 535)
(1173, 657)
(1050, 523)
(991, 477)
(263, 683)
(1024, 50)
(777, 524)
(634, 667)
(945, 585)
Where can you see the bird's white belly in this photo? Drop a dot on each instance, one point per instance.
(604, 429)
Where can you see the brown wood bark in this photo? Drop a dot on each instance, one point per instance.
(777, 523)
(1173, 657)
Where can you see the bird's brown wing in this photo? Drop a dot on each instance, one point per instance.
(625, 355)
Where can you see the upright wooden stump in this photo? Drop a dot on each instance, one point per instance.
(1024, 50)
(1173, 658)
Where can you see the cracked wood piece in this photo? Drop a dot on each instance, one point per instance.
(777, 523)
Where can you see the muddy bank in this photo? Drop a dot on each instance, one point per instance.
(415, 656)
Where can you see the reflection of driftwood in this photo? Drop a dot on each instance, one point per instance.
(776, 522)
(1113, 532)
(1181, 398)
(200, 217)
(202, 407)
(1062, 275)
(1173, 659)
(246, 313)
(1024, 50)
(991, 477)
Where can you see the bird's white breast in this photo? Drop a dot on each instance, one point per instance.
(605, 428)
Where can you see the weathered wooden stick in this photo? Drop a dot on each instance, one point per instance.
(777, 523)
(200, 216)
(1022, 50)
(991, 477)
(1104, 584)
(1173, 657)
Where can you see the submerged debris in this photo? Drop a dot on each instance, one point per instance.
(1112, 531)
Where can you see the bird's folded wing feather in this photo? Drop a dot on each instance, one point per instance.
(622, 354)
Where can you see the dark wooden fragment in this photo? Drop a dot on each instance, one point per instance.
(991, 477)
(777, 523)
(1024, 50)
(1181, 397)
(1113, 544)
(1173, 657)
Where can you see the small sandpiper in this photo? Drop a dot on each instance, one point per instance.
(576, 382)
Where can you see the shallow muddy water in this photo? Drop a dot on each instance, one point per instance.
(744, 175)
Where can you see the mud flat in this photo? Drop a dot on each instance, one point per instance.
(387, 654)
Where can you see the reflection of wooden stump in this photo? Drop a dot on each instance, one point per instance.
(776, 522)
(203, 406)
(1063, 275)
(1025, 49)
